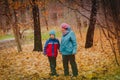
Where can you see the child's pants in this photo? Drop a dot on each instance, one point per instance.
(52, 61)
(66, 59)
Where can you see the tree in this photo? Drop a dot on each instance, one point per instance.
(90, 32)
(16, 32)
(111, 13)
(37, 29)
(14, 24)
(45, 14)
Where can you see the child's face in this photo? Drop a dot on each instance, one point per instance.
(52, 36)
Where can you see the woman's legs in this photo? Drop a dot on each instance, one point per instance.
(65, 65)
(73, 65)
(66, 59)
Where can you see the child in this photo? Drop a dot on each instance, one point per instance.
(51, 50)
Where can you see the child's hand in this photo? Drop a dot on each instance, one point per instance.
(44, 54)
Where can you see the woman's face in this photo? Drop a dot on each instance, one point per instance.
(63, 30)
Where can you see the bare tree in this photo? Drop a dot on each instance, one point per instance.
(93, 17)
(16, 32)
(111, 13)
(37, 29)
(14, 24)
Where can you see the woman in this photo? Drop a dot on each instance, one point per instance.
(68, 49)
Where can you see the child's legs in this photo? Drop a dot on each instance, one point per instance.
(73, 65)
(65, 65)
(52, 61)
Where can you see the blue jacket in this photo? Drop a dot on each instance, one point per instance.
(68, 43)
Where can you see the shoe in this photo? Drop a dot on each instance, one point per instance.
(66, 75)
(56, 75)
(52, 74)
(74, 75)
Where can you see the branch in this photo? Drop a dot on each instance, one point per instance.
(97, 22)
(81, 6)
(73, 9)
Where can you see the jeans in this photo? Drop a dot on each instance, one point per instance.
(52, 61)
(66, 59)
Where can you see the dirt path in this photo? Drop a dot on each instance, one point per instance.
(7, 43)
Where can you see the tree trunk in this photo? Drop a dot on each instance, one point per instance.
(90, 32)
(37, 29)
(16, 32)
(45, 18)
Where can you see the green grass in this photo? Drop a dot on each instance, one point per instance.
(30, 35)
(6, 37)
(45, 36)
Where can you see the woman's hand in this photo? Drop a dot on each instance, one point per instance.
(60, 52)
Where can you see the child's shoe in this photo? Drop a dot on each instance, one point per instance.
(54, 74)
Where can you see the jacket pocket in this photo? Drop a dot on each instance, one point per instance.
(69, 48)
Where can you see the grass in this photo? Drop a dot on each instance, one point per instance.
(45, 36)
(30, 35)
(7, 36)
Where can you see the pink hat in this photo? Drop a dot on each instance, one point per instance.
(65, 25)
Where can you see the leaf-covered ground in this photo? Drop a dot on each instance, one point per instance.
(93, 63)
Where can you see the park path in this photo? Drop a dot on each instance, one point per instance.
(7, 43)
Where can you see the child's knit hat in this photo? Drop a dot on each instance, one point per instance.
(52, 32)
